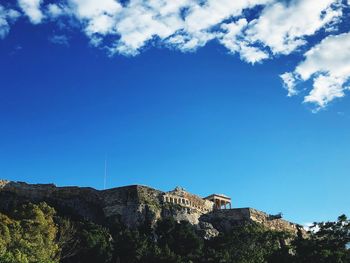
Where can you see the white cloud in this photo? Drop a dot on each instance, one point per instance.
(189, 24)
(252, 54)
(98, 15)
(32, 9)
(186, 42)
(55, 10)
(289, 83)
(198, 25)
(325, 89)
(182, 24)
(271, 28)
(7, 16)
(283, 26)
(232, 31)
(234, 41)
(215, 11)
(328, 65)
(92, 8)
(138, 24)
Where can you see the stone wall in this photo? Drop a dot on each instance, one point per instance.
(79, 201)
(272, 223)
(224, 220)
(185, 199)
(135, 205)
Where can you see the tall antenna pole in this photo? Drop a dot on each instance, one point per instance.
(105, 177)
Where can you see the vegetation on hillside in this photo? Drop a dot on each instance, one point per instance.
(36, 233)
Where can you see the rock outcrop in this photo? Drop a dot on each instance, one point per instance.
(134, 205)
(224, 220)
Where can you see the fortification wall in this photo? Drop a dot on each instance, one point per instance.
(82, 202)
(134, 205)
(224, 220)
(272, 223)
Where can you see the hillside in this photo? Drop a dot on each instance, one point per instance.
(137, 224)
(135, 205)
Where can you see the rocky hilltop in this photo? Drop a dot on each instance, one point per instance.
(136, 205)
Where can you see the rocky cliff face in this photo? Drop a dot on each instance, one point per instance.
(81, 202)
(133, 205)
(224, 220)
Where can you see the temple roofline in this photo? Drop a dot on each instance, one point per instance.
(218, 195)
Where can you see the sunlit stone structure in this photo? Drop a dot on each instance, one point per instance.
(203, 205)
(220, 201)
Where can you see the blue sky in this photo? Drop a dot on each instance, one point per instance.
(210, 113)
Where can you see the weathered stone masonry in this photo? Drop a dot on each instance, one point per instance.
(136, 204)
(185, 199)
(180, 197)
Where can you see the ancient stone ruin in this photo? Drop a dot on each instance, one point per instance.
(135, 205)
(220, 201)
(190, 201)
(207, 204)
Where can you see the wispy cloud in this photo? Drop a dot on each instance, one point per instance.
(256, 30)
(59, 40)
(328, 65)
(283, 27)
(7, 16)
(32, 8)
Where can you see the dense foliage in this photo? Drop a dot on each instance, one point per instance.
(327, 242)
(36, 233)
(29, 235)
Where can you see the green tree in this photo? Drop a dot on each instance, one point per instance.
(29, 236)
(327, 242)
(93, 244)
(68, 240)
(131, 246)
(181, 238)
(250, 243)
(161, 255)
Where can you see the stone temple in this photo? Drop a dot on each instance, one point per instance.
(207, 204)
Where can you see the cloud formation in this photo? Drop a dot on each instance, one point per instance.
(283, 27)
(7, 16)
(328, 65)
(32, 8)
(255, 30)
(59, 40)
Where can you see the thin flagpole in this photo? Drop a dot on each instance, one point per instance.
(105, 176)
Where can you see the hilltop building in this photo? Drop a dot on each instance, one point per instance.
(203, 205)
(220, 201)
(137, 205)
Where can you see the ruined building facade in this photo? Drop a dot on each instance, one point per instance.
(190, 201)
